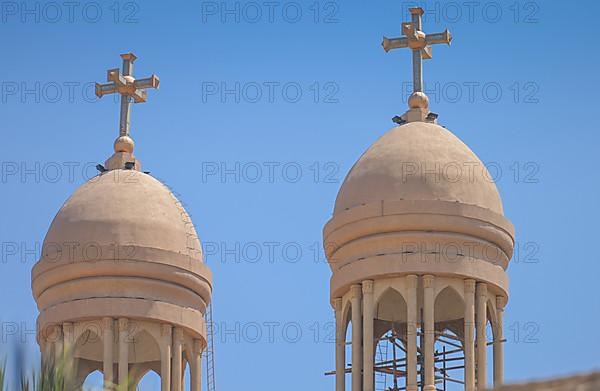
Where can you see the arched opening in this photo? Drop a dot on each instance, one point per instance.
(449, 355)
(390, 361)
(449, 361)
(149, 381)
(87, 353)
(390, 326)
(94, 381)
(144, 361)
(187, 376)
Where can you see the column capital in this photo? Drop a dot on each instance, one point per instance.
(412, 280)
(123, 323)
(500, 303)
(356, 291)
(198, 346)
(481, 289)
(470, 285)
(337, 303)
(166, 329)
(108, 322)
(178, 334)
(428, 281)
(367, 286)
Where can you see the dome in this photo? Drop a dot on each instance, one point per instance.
(128, 208)
(122, 246)
(419, 161)
(418, 201)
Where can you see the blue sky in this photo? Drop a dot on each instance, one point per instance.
(314, 91)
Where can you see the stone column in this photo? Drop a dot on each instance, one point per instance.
(68, 343)
(368, 334)
(68, 354)
(166, 333)
(356, 292)
(411, 332)
(498, 344)
(45, 351)
(428, 317)
(481, 298)
(469, 344)
(196, 367)
(58, 343)
(340, 346)
(124, 341)
(177, 358)
(107, 360)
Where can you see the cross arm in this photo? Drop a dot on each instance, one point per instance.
(394, 43)
(149, 82)
(437, 38)
(114, 75)
(105, 89)
(139, 96)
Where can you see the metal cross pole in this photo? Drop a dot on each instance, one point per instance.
(128, 87)
(418, 42)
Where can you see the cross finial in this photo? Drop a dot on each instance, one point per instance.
(129, 89)
(419, 43)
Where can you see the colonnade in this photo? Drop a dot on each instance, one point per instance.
(172, 343)
(363, 312)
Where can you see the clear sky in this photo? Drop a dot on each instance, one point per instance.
(286, 102)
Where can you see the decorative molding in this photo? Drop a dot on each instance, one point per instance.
(367, 286)
(337, 304)
(500, 303)
(356, 291)
(123, 324)
(470, 285)
(481, 289)
(428, 281)
(178, 334)
(412, 280)
(166, 330)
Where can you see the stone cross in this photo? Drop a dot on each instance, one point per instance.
(129, 88)
(419, 42)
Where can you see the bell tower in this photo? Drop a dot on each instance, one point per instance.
(121, 286)
(418, 247)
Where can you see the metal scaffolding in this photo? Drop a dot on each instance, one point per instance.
(390, 361)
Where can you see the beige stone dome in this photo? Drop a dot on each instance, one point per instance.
(127, 207)
(122, 245)
(418, 201)
(419, 161)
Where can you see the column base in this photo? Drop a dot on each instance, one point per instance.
(412, 388)
(429, 388)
